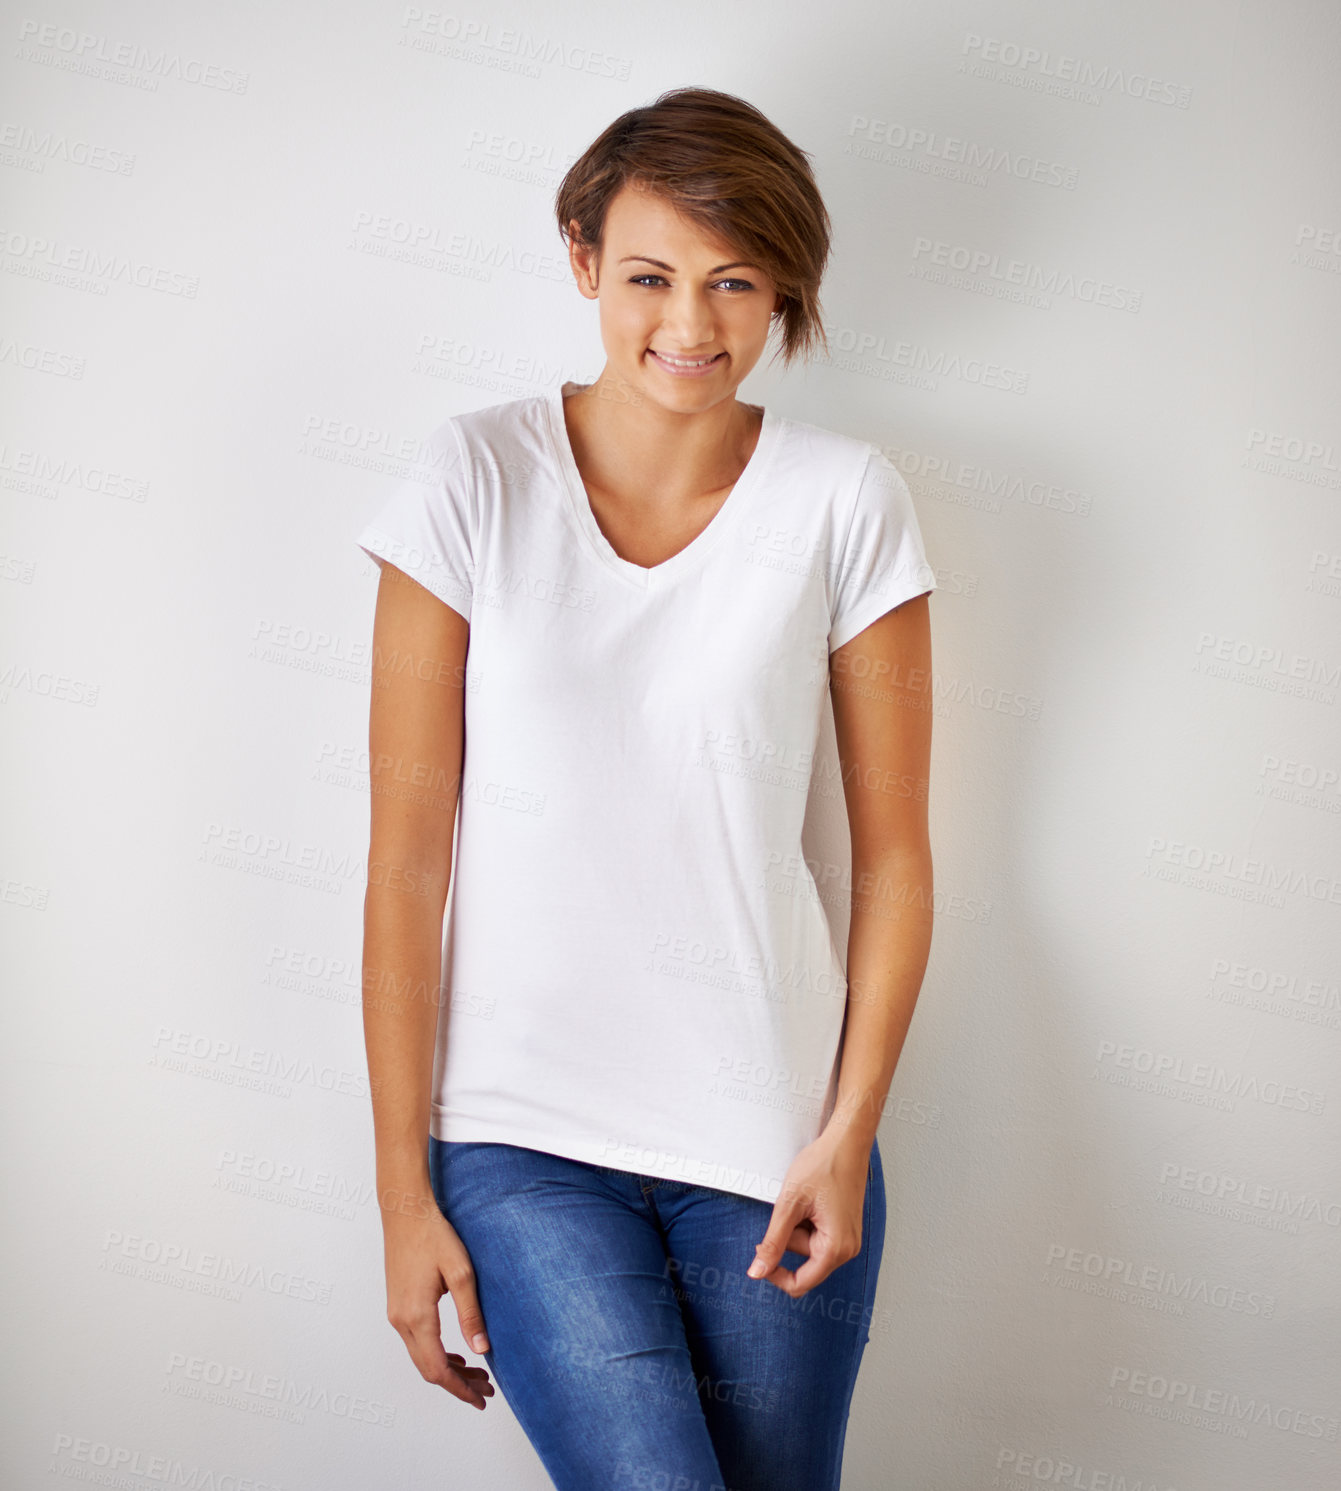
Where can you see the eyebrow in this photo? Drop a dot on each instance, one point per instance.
(739, 264)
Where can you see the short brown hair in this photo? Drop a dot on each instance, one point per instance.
(726, 167)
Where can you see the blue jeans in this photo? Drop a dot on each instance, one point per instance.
(627, 1339)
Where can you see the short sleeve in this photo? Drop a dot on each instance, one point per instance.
(882, 562)
(426, 524)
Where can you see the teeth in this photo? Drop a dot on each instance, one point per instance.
(685, 362)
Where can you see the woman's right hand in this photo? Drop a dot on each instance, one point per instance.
(425, 1259)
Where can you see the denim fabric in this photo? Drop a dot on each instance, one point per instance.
(627, 1339)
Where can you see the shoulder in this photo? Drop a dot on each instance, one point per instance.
(824, 447)
(512, 419)
(856, 472)
(468, 448)
(823, 469)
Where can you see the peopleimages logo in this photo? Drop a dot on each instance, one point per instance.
(219, 1058)
(1271, 1200)
(984, 268)
(1317, 248)
(41, 359)
(72, 50)
(115, 1462)
(1221, 870)
(1056, 1470)
(936, 153)
(1296, 457)
(41, 469)
(1067, 77)
(1215, 1085)
(82, 266)
(1191, 1401)
(910, 362)
(236, 1386)
(1124, 1275)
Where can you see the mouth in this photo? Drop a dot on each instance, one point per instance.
(685, 366)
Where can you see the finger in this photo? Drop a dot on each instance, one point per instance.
(469, 1316)
(782, 1224)
(424, 1342)
(796, 1283)
(799, 1241)
(813, 1271)
(818, 1266)
(781, 1278)
(477, 1375)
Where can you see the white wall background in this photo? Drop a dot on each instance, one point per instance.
(1115, 1197)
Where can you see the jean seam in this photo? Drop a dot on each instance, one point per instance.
(866, 1242)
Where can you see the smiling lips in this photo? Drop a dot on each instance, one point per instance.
(685, 366)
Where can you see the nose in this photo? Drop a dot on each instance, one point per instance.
(688, 324)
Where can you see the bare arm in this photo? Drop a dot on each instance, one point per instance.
(416, 739)
(880, 683)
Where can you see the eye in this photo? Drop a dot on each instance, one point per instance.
(732, 286)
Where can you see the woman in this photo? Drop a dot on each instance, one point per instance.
(607, 630)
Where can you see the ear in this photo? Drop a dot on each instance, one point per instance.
(582, 258)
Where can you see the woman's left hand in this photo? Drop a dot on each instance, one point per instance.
(818, 1215)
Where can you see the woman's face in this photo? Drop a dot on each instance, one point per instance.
(682, 319)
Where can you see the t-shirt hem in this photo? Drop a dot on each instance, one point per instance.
(646, 1160)
(875, 606)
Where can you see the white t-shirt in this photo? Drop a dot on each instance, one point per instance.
(644, 971)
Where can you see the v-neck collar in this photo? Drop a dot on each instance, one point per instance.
(637, 574)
